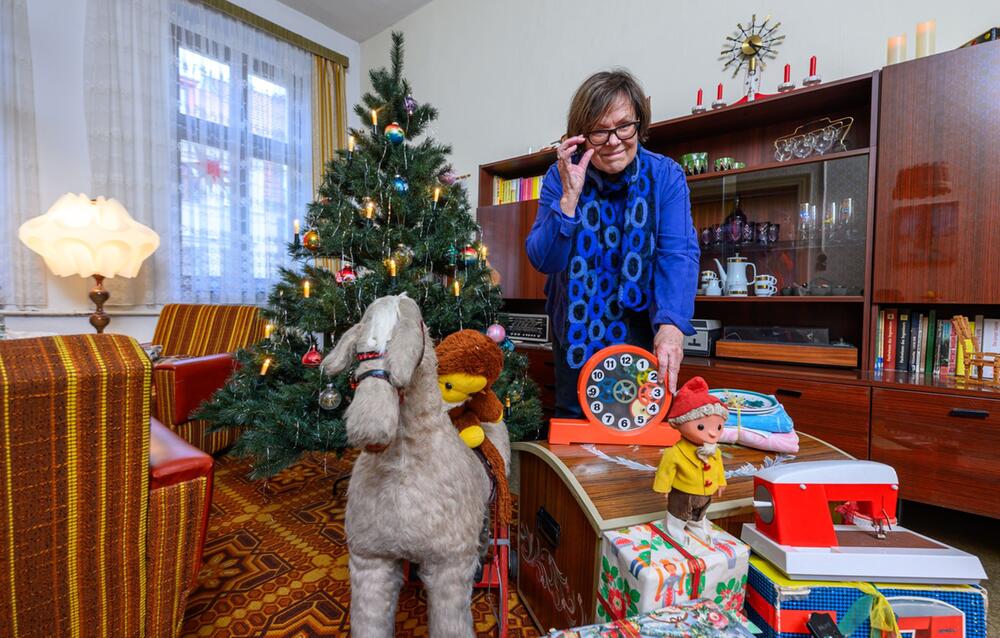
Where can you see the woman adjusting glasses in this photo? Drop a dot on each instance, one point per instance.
(615, 236)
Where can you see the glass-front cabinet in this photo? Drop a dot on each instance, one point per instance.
(796, 230)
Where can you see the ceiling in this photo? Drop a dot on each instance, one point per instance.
(357, 19)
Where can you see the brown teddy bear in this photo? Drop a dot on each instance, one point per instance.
(469, 363)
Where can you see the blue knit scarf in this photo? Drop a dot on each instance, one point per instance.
(611, 260)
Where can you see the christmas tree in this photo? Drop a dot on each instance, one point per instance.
(391, 217)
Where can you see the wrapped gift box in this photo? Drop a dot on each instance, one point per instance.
(643, 569)
(780, 606)
(698, 619)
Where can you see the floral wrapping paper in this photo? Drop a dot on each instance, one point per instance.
(698, 619)
(642, 569)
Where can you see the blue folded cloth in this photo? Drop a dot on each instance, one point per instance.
(778, 421)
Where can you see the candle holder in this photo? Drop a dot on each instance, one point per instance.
(813, 77)
(787, 85)
(719, 102)
(698, 107)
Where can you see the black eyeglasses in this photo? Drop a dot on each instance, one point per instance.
(622, 132)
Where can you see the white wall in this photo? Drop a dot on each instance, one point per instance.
(56, 30)
(502, 73)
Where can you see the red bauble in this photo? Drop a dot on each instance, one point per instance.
(345, 275)
(312, 358)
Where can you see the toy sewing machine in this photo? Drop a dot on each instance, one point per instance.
(793, 527)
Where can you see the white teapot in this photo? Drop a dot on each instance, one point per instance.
(734, 278)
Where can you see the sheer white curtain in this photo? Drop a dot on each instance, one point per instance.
(242, 150)
(22, 273)
(127, 67)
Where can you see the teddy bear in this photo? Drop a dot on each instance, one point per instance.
(469, 363)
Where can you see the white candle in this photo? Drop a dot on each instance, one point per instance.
(295, 226)
(306, 288)
(263, 368)
(926, 34)
(374, 117)
(896, 50)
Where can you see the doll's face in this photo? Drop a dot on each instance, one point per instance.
(707, 429)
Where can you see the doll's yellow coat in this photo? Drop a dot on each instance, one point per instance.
(681, 469)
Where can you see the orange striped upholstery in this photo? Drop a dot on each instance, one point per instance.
(74, 477)
(195, 330)
(174, 516)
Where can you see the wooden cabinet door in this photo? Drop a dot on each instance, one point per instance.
(944, 447)
(938, 188)
(834, 412)
(505, 228)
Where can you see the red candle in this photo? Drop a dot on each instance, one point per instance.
(812, 65)
(699, 97)
(788, 73)
(718, 92)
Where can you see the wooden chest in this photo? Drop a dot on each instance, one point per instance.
(570, 494)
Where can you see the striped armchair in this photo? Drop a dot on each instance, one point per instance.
(91, 546)
(198, 342)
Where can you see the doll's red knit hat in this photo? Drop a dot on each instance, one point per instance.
(693, 401)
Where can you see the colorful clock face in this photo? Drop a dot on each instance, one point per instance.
(620, 389)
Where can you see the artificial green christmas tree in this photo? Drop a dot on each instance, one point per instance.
(391, 217)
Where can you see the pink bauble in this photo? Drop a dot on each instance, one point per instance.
(496, 333)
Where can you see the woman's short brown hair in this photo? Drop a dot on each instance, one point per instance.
(598, 93)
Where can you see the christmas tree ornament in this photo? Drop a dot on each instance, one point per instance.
(306, 288)
(329, 398)
(400, 184)
(311, 240)
(484, 253)
(346, 275)
(326, 201)
(437, 195)
(394, 133)
(312, 358)
(403, 255)
(497, 333)
(449, 177)
(374, 121)
(368, 208)
(295, 229)
(451, 256)
(456, 287)
(507, 345)
(469, 255)
(391, 266)
(410, 105)
(265, 366)
(350, 147)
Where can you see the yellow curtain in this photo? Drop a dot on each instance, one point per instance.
(329, 114)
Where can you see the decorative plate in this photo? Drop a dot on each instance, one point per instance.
(748, 401)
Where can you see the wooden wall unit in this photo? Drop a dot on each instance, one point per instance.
(929, 129)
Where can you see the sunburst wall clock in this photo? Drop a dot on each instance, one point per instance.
(748, 49)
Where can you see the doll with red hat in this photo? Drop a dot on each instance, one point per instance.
(691, 471)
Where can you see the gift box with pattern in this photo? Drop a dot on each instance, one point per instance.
(780, 606)
(698, 619)
(643, 569)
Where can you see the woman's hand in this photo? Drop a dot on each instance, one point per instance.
(571, 174)
(668, 345)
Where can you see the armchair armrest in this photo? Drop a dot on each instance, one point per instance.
(173, 460)
(182, 385)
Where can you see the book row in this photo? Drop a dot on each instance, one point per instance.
(506, 191)
(920, 342)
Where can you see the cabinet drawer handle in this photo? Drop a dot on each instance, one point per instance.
(968, 414)
(788, 393)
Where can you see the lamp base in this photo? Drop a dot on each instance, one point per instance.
(99, 319)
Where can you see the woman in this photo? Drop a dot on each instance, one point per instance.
(614, 234)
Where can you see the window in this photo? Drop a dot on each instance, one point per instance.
(243, 149)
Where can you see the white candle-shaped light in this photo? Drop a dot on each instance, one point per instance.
(295, 226)
(306, 288)
(265, 366)
(369, 208)
(896, 49)
(374, 118)
(350, 146)
(437, 195)
(926, 35)
(268, 329)
(392, 267)
(484, 252)
(456, 288)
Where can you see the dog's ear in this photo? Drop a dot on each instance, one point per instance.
(340, 356)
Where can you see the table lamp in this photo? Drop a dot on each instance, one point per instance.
(90, 238)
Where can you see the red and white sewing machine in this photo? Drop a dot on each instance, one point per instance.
(794, 529)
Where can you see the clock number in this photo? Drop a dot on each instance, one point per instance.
(652, 408)
(626, 359)
(624, 424)
(610, 364)
(640, 419)
(593, 391)
(642, 365)
(597, 375)
(653, 377)
(596, 407)
(656, 393)
(607, 418)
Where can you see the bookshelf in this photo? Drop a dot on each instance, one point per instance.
(929, 198)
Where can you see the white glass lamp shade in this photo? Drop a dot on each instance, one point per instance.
(80, 236)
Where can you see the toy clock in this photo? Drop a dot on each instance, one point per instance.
(623, 401)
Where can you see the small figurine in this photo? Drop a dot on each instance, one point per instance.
(691, 471)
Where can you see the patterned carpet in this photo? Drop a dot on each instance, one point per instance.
(275, 561)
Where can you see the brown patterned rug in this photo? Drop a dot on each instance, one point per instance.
(275, 561)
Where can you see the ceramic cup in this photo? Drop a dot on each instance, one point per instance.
(708, 275)
(765, 285)
(712, 288)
